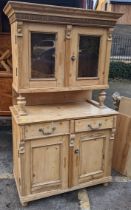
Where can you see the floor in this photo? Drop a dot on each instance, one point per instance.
(117, 196)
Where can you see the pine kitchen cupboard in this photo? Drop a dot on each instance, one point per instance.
(53, 47)
(62, 139)
(68, 150)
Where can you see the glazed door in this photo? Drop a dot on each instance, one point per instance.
(45, 56)
(90, 156)
(47, 164)
(88, 53)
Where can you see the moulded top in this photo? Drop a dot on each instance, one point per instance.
(32, 12)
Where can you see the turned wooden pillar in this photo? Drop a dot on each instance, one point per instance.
(21, 102)
(101, 98)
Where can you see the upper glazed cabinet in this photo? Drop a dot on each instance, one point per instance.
(59, 49)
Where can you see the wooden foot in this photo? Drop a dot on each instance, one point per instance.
(106, 184)
(24, 204)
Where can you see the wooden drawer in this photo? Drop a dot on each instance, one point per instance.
(93, 124)
(46, 129)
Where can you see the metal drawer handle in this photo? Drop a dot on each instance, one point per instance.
(47, 133)
(96, 128)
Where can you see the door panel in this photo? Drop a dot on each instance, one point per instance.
(44, 59)
(91, 156)
(90, 153)
(88, 50)
(43, 51)
(49, 164)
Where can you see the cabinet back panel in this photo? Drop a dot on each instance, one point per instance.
(54, 98)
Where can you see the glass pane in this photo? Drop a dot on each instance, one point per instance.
(88, 56)
(43, 55)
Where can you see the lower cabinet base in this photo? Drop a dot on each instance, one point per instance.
(59, 155)
(25, 199)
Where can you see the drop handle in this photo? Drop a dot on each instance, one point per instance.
(77, 151)
(47, 133)
(73, 57)
(95, 128)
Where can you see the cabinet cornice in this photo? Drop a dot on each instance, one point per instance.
(30, 12)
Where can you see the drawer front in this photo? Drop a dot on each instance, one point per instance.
(93, 124)
(46, 129)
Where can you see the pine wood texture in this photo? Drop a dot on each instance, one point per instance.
(122, 146)
(52, 156)
(48, 113)
(61, 142)
(22, 11)
(53, 152)
(54, 98)
(26, 18)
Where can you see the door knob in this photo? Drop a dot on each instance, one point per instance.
(77, 151)
(73, 58)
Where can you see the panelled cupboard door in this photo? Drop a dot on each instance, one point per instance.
(44, 59)
(49, 164)
(88, 54)
(90, 156)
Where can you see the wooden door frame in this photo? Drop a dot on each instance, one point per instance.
(76, 158)
(58, 81)
(88, 81)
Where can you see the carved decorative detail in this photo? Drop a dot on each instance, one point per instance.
(72, 139)
(19, 29)
(21, 102)
(110, 34)
(102, 97)
(12, 8)
(5, 61)
(68, 31)
(61, 20)
(113, 129)
(22, 147)
(112, 133)
(116, 100)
